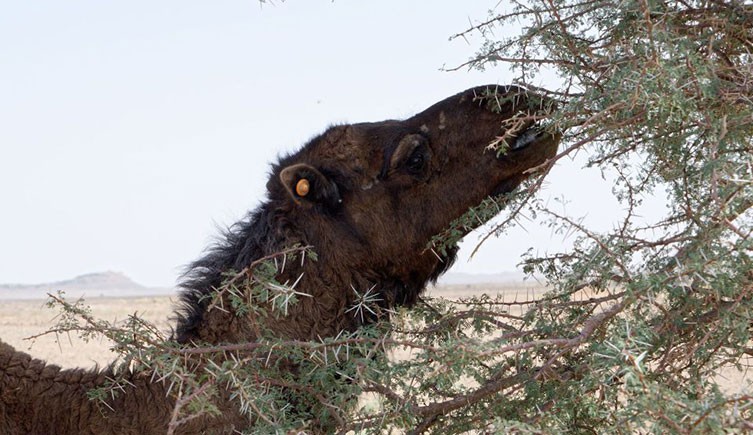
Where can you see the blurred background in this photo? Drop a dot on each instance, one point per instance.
(131, 131)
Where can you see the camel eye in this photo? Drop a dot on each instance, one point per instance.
(412, 156)
(416, 162)
(303, 187)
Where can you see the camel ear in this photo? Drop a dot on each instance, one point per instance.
(307, 186)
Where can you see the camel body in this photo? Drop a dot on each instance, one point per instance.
(368, 198)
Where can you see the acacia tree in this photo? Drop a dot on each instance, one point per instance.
(657, 94)
(637, 321)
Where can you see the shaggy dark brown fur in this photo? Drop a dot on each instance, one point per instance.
(377, 194)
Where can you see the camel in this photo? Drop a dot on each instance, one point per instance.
(367, 198)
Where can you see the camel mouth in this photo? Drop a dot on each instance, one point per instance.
(507, 186)
(531, 147)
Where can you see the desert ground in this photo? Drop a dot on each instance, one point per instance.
(21, 319)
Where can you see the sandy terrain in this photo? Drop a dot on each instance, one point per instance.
(22, 319)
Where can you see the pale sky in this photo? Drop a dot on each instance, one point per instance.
(130, 130)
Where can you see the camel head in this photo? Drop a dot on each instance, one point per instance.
(371, 196)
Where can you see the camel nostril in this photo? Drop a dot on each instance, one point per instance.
(526, 138)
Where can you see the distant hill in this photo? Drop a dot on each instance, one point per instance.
(453, 278)
(103, 284)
